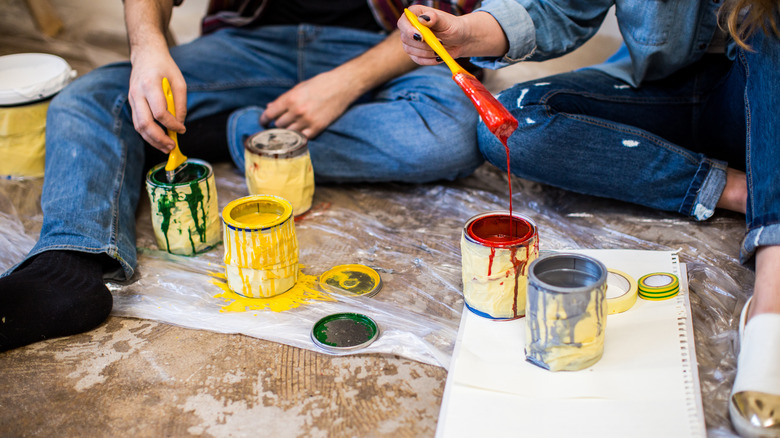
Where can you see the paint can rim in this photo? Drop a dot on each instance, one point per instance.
(291, 150)
(154, 182)
(233, 224)
(575, 262)
(527, 237)
(366, 321)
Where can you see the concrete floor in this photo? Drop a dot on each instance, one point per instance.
(133, 377)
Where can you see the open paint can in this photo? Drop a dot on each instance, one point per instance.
(277, 162)
(496, 250)
(185, 213)
(27, 83)
(566, 312)
(261, 249)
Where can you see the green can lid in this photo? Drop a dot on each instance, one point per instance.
(344, 332)
(351, 280)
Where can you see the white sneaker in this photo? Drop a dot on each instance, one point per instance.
(754, 405)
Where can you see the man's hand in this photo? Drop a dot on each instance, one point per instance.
(148, 101)
(312, 105)
(146, 23)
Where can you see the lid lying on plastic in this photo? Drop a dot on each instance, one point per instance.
(344, 332)
(27, 77)
(351, 280)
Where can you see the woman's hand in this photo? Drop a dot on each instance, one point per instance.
(475, 34)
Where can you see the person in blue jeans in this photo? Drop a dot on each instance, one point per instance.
(334, 71)
(684, 118)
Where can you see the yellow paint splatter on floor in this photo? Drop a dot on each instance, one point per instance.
(304, 291)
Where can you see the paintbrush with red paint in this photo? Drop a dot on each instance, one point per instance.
(497, 118)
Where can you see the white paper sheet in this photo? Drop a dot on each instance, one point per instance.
(645, 385)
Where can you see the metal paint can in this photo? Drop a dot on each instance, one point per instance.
(494, 262)
(566, 312)
(277, 162)
(261, 248)
(28, 81)
(185, 213)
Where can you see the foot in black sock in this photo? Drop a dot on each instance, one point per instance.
(57, 293)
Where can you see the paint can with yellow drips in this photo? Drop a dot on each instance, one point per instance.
(28, 81)
(277, 162)
(566, 312)
(495, 253)
(261, 248)
(185, 212)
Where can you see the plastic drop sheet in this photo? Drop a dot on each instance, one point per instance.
(410, 235)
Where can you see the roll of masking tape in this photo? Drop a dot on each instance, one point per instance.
(658, 286)
(621, 291)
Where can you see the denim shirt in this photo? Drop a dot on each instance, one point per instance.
(659, 36)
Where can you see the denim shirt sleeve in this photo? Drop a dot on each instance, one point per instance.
(541, 30)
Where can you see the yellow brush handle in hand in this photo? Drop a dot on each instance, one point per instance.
(434, 43)
(175, 158)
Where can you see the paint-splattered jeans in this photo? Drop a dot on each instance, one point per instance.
(664, 145)
(416, 128)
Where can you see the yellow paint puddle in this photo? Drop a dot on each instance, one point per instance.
(304, 291)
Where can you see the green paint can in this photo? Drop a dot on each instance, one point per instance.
(185, 214)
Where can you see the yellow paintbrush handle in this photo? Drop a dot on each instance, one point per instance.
(434, 43)
(175, 158)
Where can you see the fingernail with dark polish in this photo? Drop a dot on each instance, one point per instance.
(438, 59)
(417, 37)
(425, 17)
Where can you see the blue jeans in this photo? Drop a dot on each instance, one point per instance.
(665, 144)
(416, 128)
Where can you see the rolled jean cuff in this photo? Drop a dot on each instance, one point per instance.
(765, 235)
(124, 271)
(711, 189)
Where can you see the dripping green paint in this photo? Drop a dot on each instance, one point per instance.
(187, 180)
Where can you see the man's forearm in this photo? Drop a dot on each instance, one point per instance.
(381, 63)
(147, 21)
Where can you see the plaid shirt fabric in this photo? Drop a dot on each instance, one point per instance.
(236, 13)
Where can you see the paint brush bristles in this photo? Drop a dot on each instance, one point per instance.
(497, 118)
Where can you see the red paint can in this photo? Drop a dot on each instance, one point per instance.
(496, 249)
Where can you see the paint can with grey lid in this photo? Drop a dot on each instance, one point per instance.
(277, 162)
(566, 312)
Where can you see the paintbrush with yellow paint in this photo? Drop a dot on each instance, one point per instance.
(176, 160)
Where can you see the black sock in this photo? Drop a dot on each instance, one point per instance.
(58, 293)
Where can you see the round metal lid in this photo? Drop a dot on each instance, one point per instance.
(344, 332)
(351, 280)
(277, 143)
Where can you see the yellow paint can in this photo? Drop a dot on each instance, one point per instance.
(277, 162)
(27, 83)
(261, 248)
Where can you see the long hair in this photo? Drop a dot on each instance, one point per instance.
(742, 18)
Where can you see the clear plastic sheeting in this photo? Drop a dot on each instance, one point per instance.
(410, 234)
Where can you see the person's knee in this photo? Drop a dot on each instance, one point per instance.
(526, 143)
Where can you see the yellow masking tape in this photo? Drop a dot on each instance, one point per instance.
(627, 287)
